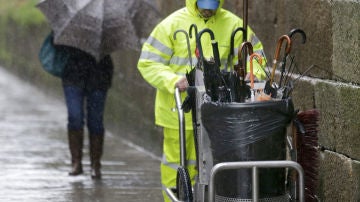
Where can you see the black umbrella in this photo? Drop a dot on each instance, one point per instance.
(99, 27)
(196, 74)
(242, 90)
(212, 76)
(189, 101)
(283, 64)
(228, 74)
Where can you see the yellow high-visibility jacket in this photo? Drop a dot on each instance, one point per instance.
(164, 60)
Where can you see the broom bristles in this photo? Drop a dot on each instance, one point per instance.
(307, 151)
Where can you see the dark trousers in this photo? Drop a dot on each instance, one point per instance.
(77, 100)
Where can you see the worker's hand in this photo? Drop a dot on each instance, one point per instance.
(182, 84)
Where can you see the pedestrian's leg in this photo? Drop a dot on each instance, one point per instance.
(95, 109)
(74, 103)
(76, 139)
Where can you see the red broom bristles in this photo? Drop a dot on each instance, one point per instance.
(307, 151)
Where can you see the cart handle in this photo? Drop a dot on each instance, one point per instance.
(255, 165)
(182, 137)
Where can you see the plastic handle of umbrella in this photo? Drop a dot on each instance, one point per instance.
(258, 56)
(232, 39)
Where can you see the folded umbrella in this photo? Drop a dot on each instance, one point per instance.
(189, 101)
(228, 74)
(242, 91)
(283, 64)
(211, 68)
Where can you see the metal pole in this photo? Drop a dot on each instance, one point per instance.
(255, 180)
(245, 26)
(245, 18)
(181, 128)
(171, 195)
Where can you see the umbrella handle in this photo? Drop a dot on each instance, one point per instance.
(252, 69)
(283, 64)
(240, 68)
(193, 26)
(232, 39)
(188, 44)
(300, 31)
(277, 53)
(213, 42)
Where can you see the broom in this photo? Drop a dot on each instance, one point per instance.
(307, 151)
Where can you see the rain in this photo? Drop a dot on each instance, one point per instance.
(321, 74)
(34, 155)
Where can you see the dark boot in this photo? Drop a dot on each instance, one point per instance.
(76, 139)
(96, 150)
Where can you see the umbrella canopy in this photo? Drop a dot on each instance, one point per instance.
(99, 27)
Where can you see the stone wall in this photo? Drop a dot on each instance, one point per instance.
(332, 29)
(333, 39)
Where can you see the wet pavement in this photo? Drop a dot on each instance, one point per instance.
(34, 156)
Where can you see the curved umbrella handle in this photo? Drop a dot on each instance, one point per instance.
(300, 31)
(233, 38)
(283, 64)
(188, 43)
(231, 52)
(193, 26)
(277, 53)
(213, 42)
(240, 68)
(258, 56)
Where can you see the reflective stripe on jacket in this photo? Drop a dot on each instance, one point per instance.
(164, 60)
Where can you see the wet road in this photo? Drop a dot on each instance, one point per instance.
(34, 156)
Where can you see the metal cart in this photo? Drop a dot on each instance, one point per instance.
(215, 173)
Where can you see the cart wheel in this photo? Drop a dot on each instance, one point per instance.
(183, 185)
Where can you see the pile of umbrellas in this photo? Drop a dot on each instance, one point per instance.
(283, 89)
(229, 84)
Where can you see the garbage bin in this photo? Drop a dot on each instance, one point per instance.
(254, 131)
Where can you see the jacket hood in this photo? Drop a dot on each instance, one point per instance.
(191, 6)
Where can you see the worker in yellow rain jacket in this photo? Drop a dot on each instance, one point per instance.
(164, 61)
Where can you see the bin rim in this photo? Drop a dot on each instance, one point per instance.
(251, 104)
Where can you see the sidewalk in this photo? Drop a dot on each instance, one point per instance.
(34, 156)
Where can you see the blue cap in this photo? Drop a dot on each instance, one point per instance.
(208, 4)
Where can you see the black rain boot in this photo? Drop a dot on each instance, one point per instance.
(96, 150)
(76, 139)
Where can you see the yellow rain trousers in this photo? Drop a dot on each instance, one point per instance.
(171, 158)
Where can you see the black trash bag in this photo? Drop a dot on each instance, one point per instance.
(254, 131)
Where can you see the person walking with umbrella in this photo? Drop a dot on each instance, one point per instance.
(86, 80)
(90, 30)
(163, 63)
